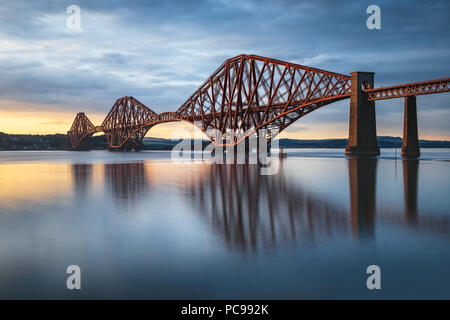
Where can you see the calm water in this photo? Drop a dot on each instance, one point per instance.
(140, 226)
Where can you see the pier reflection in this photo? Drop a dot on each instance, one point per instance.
(410, 177)
(362, 173)
(251, 211)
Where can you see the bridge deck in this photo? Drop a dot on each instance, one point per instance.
(409, 89)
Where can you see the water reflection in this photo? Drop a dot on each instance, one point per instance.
(152, 229)
(127, 181)
(82, 178)
(251, 211)
(362, 174)
(410, 174)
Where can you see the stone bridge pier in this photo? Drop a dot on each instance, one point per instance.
(410, 145)
(362, 135)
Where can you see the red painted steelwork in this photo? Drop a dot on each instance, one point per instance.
(409, 89)
(245, 94)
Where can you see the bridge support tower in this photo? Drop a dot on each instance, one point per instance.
(410, 146)
(362, 136)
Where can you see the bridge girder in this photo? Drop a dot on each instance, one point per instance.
(248, 93)
(408, 89)
(126, 121)
(245, 94)
(81, 128)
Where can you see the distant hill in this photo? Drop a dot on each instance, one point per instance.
(61, 142)
(383, 142)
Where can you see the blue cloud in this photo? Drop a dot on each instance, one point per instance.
(160, 51)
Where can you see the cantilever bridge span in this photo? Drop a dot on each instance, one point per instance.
(248, 93)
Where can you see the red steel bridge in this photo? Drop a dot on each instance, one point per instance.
(248, 93)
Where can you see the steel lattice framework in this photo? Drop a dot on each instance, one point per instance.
(125, 121)
(81, 128)
(409, 89)
(245, 94)
(248, 93)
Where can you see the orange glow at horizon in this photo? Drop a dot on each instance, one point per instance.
(34, 118)
(18, 117)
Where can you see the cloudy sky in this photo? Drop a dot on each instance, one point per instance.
(161, 51)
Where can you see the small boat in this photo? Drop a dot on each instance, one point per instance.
(282, 154)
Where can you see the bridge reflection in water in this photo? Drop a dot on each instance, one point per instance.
(251, 211)
(127, 181)
(82, 177)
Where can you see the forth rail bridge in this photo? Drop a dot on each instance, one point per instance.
(249, 93)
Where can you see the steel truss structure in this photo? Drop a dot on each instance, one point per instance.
(409, 89)
(248, 93)
(245, 94)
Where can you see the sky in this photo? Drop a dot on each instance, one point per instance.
(160, 52)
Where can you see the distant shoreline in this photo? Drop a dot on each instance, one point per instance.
(17, 142)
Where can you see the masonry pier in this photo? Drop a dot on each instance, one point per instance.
(410, 146)
(362, 136)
